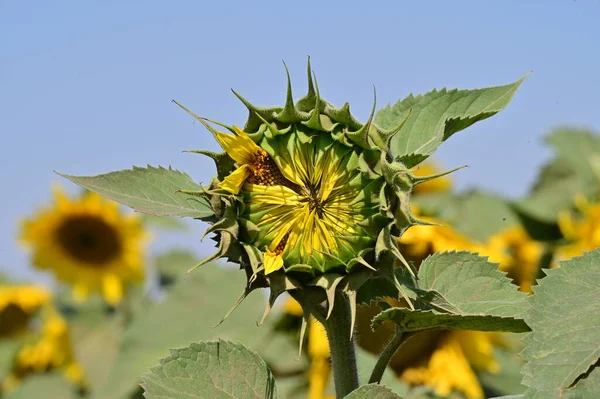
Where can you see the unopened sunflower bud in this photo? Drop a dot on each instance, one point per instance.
(314, 198)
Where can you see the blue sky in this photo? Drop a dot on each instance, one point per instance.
(85, 87)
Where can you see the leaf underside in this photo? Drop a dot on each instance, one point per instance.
(563, 348)
(148, 190)
(462, 291)
(217, 369)
(437, 115)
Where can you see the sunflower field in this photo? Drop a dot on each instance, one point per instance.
(346, 266)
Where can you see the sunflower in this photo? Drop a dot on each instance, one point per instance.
(581, 229)
(453, 363)
(418, 242)
(18, 304)
(88, 243)
(52, 350)
(444, 361)
(518, 254)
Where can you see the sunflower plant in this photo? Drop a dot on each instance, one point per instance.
(310, 201)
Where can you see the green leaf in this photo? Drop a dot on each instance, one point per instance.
(465, 292)
(51, 385)
(3, 277)
(175, 263)
(555, 190)
(373, 391)
(437, 115)
(165, 223)
(8, 350)
(472, 284)
(508, 380)
(575, 170)
(192, 306)
(581, 149)
(586, 388)
(219, 369)
(149, 190)
(563, 348)
(96, 348)
(435, 204)
(480, 215)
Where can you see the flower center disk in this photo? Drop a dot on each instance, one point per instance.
(89, 240)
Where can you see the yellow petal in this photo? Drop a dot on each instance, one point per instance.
(80, 292)
(240, 147)
(272, 262)
(234, 182)
(60, 196)
(273, 195)
(112, 289)
(74, 373)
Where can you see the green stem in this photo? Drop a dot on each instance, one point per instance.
(385, 357)
(341, 346)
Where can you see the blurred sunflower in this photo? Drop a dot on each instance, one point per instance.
(319, 372)
(518, 254)
(512, 248)
(581, 229)
(418, 242)
(88, 243)
(52, 350)
(18, 305)
(445, 361)
(453, 364)
(448, 361)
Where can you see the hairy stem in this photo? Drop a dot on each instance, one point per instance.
(389, 351)
(341, 346)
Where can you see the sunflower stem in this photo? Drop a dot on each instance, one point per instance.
(341, 346)
(392, 347)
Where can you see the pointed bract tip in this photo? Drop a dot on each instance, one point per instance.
(247, 103)
(422, 179)
(289, 97)
(310, 73)
(420, 222)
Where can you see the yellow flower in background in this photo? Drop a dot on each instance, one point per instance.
(319, 372)
(87, 243)
(18, 304)
(582, 231)
(418, 242)
(518, 254)
(51, 351)
(440, 184)
(445, 361)
(453, 363)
